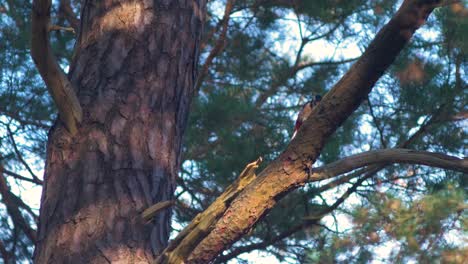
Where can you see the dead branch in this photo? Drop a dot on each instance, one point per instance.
(153, 210)
(66, 10)
(59, 86)
(181, 247)
(61, 28)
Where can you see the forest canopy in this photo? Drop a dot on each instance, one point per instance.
(259, 62)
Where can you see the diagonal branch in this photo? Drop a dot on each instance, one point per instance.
(367, 173)
(288, 171)
(219, 46)
(57, 82)
(23, 178)
(19, 155)
(13, 209)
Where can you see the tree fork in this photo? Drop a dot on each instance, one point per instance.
(57, 82)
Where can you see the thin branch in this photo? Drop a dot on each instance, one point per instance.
(57, 82)
(346, 178)
(66, 10)
(13, 209)
(261, 245)
(293, 71)
(460, 116)
(219, 46)
(23, 178)
(19, 155)
(304, 65)
(376, 123)
(23, 122)
(348, 192)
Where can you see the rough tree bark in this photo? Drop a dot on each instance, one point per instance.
(133, 73)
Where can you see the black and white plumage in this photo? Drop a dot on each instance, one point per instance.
(305, 113)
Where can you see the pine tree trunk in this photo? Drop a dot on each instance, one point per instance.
(134, 68)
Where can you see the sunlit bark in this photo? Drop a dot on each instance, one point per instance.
(134, 73)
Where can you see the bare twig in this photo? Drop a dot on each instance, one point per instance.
(20, 177)
(376, 123)
(61, 28)
(153, 210)
(219, 46)
(19, 155)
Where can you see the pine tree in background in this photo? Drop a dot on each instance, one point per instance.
(259, 62)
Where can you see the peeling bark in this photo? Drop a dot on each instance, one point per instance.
(134, 73)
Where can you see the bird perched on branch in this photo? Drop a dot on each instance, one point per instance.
(305, 113)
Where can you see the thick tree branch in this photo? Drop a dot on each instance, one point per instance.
(59, 86)
(289, 170)
(387, 156)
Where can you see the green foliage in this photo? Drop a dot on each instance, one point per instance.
(420, 227)
(246, 108)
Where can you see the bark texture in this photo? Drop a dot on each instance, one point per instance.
(134, 73)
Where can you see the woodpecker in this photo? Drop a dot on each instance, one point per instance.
(305, 113)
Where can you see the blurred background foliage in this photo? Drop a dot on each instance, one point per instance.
(274, 56)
